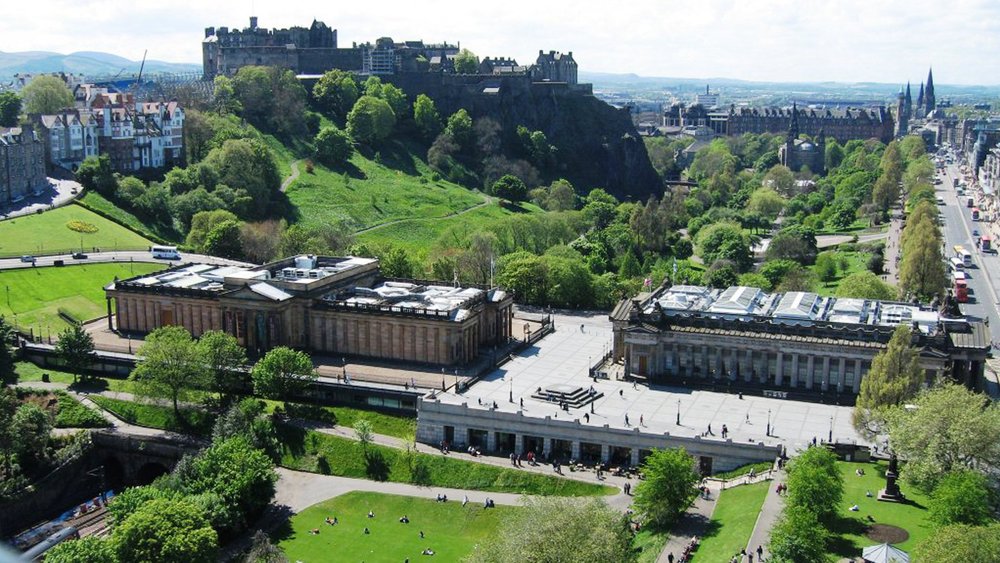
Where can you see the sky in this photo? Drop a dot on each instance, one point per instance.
(890, 41)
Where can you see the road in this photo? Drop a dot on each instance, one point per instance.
(957, 229)
(122, 256)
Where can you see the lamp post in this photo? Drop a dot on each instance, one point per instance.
(768, 433)
(457, 390)
(510, 397)
(829, 438)
(678, 412)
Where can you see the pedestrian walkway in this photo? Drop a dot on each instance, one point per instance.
(769, 512)
(692, 524)
(892, 255)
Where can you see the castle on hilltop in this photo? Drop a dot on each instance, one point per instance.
(314, 50)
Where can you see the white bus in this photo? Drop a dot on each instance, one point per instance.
(165, 252)
(957, 265)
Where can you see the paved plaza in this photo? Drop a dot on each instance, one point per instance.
(563, 358)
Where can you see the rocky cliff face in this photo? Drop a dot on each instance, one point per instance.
(598, 145)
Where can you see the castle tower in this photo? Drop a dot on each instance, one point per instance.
(902, 119)
(929, 100)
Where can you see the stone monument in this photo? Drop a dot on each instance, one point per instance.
(891, 491)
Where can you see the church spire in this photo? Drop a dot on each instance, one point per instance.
(793, 127)
(930, 103)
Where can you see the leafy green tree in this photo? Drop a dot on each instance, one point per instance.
(865, 285)
(466, 62)
(170, 365)
(524, 274)
(166, 531)
(396, 99)
(10, 108)
(510, 187)
(237, 472)
(333, 146)
(364, 433)
(960, 543)
(75, 348)
(202, 223)
(815, 483)
(556, 529)
(459, 128)
(721, 275)
(780, 179)
(796, 243)
(271, 98)
(226, 360)
(895, 377)
(282, 373)
(797, 537)
(263, 551)
(669, 486)
(775, 270)
(224, 240)
(29, 430)
(246, 164)
(335, 94)
(426, 116)
(725, 240)
(395, 262)
(225, 97)
(83, 550)
(95, 173)
(951, 428)
(797, 279)
(961, 497)
(754, 279)
(560, 197)
(569, 282)
(46, 94)
(921, 271)
(183, 207)
(249, 420)
(766, 202)
(826, 266)
(6, 353)
(370, 120)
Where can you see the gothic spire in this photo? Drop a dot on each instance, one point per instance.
(793, 128)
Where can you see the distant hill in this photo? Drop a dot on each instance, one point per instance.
(88, 63)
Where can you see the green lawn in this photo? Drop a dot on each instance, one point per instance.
(450, 530)
(307, 450)
(759, 467)
(849, 531)
(732, 522)
(28, 372)
(72, 414)
(649, 544)
(194, 421)
(36, 295)
(856, 261)
(153, 231)
(419, 236)
(382, 423)
(48, 233)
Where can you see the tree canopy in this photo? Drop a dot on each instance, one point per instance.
(282, 373)
(46, 94)
(426, 116)
(335, 94)
(10, 108)
(169, 365)
(669, 486)
(961, 497)
(370, 120)
(865, 285)
(960, 543)
(167, 531)
(225, 358)
(333, 146)
(510, 187)
(76, 349)
(466, 62)
(815, 482)
(895, 376)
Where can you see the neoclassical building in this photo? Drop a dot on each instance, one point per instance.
(327, 305)
(794, 343)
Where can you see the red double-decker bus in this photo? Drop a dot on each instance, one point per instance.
(961, 288)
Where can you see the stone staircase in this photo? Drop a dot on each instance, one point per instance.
(571, 396)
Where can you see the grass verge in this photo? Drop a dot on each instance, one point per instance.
(164, 234)
(732, 522)
(48, 233)
(382, 423)
(73, 414)
(758, 467)
(450, 530)
(308, 450)
(191, 421)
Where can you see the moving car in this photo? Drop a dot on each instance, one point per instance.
(28, 258)
(79, 256)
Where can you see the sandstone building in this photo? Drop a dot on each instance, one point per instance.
(337, 306)
(22, 164)
(795, 343)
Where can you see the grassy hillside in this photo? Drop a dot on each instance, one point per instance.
(154, 231)
(37, 295)
(50, 233)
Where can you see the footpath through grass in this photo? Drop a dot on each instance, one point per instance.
(307, 450)
(850, 528)
(38, 295)
(732, 522)
(192, 421)
(450, 530)
(50, 233)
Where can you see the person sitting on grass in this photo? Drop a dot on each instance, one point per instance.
(367, 531)
(427, 551)
(314, 531)
(404, 520)
(371, 514)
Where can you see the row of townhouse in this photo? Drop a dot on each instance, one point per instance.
(22, 165)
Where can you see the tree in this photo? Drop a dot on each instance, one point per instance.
(815, 482)
(921, 272)
(797, 537)
(76, 349)
(225, 358)
(224, 240)
(961, 497)
(10, 109)
(333, 146)
(510, 187)
(242, 475)
(524, 274)
(865, 285)
(6, 354)
(560, 196)
(395, 263)
(167, 531)
(249, 420)
(95, 173)
(780, 179)
(426, 116)
(170, 365)
(669, 486)
(260, 241)
(202, 224)
(370, 120)
(335, 94)
(766, 202)
(272, 99)
(466, 62)
(282, 373)
(29, 430)
(246, 164)
(826, 266)
(46, 94)
(364, 433)
(263, 551)
(721, 275)
(951, 428)
(895, 377)
(83, 550)
(797, 279)
(725, 240)
(459, 128)
(960, 543)
(225, 96)
(796, 243)
(556, 529)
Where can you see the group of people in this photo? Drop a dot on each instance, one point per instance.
(474, 451)
(688, 550)
(442, 498)
(738, 558)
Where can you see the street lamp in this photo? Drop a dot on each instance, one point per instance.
(511, 396)
(768, 433)
(830, 436)
(678, 412)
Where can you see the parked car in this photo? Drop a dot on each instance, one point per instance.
(975, 232)
(28, 258)
(79, 256)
